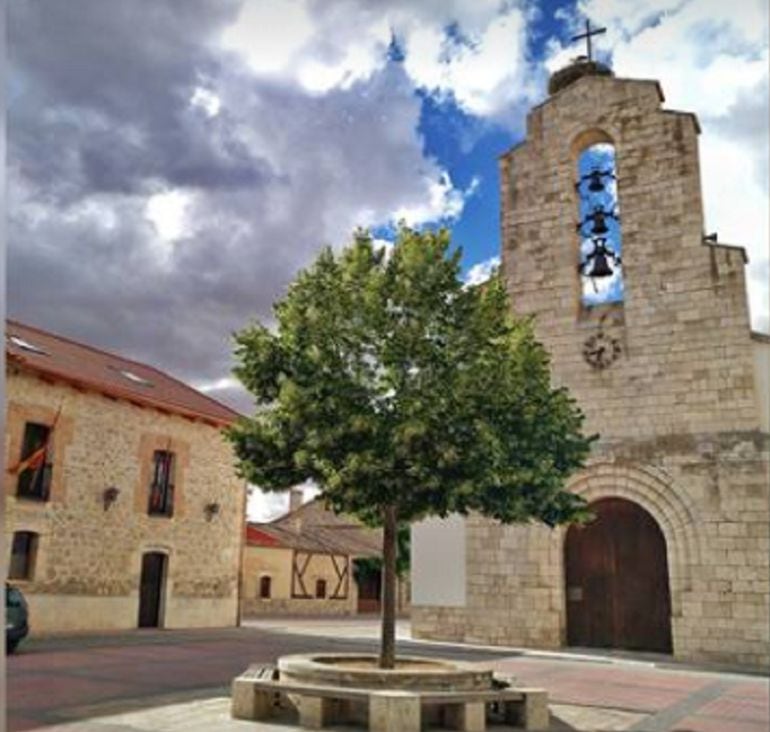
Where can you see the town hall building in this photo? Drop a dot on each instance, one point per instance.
(123, 508)
(645, 317)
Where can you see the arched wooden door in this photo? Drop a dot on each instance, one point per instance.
(151, 589)
(617, 580)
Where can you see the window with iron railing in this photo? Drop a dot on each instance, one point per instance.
(161, 499)
(34, 481)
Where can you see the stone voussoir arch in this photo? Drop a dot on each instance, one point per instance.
(654, 491)
(581, 136)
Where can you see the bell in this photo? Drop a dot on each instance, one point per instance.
(600, 267)
(595, 184)
(600, 224)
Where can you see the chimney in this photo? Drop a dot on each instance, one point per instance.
(296, 497)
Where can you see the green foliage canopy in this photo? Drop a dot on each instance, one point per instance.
(390, 384)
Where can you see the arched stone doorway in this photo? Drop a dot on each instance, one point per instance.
(617, 584)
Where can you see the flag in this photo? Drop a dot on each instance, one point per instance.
(32, 462)
(36, 459)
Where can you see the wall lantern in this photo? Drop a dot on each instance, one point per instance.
(210, 510)
(109, 496)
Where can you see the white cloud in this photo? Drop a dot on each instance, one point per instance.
(482, 271)
(626, 18)
(269, 33)
(474, 51)
(444, 202)
(737, 208)
(263, 506)
(355, 59)
(207, 100)
(482, 71)
(166, 212)
(321, 47)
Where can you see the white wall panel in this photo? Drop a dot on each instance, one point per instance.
(438, 562)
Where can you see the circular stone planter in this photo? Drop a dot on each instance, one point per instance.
(357, 670)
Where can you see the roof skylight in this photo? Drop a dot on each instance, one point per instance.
(131, 376)
(26, 345)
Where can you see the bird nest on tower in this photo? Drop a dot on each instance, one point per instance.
(581, 66)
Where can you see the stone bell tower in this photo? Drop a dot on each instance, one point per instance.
(647, 324)
(682, 325)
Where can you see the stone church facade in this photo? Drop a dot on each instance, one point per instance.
(680, 477)
(134, 515)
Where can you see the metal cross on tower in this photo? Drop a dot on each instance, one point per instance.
(587, 35)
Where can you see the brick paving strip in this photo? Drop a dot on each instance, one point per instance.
(594, 696)
(668, 718)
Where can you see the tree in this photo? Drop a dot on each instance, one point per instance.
(367, 567)
(403, 394)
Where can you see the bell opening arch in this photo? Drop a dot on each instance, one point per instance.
(599, 240)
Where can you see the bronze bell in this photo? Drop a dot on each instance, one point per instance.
(599, 266)
(600, 223)
(595, 184)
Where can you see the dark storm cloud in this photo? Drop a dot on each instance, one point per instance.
(101, 118)
(114, 83)
(113, 163)
(121, 58)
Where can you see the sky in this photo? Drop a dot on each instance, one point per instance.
(172, 164)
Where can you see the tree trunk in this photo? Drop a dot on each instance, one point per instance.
(389, 546)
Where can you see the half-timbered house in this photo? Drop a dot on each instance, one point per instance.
(305, 563)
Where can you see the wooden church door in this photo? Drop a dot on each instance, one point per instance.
(617, 580)
(151, 589)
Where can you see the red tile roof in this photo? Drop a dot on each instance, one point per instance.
(313, 528)
(257, 537)
(86, 367)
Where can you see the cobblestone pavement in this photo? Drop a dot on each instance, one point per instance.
(168, 681)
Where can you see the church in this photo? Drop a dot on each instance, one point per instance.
(645, 317)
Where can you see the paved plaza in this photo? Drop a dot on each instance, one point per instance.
(169, 681)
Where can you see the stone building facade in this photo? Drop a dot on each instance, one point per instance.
(682, 411)
(89, 545)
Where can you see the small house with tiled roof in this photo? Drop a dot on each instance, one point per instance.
(123, 508)
(305, 563)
